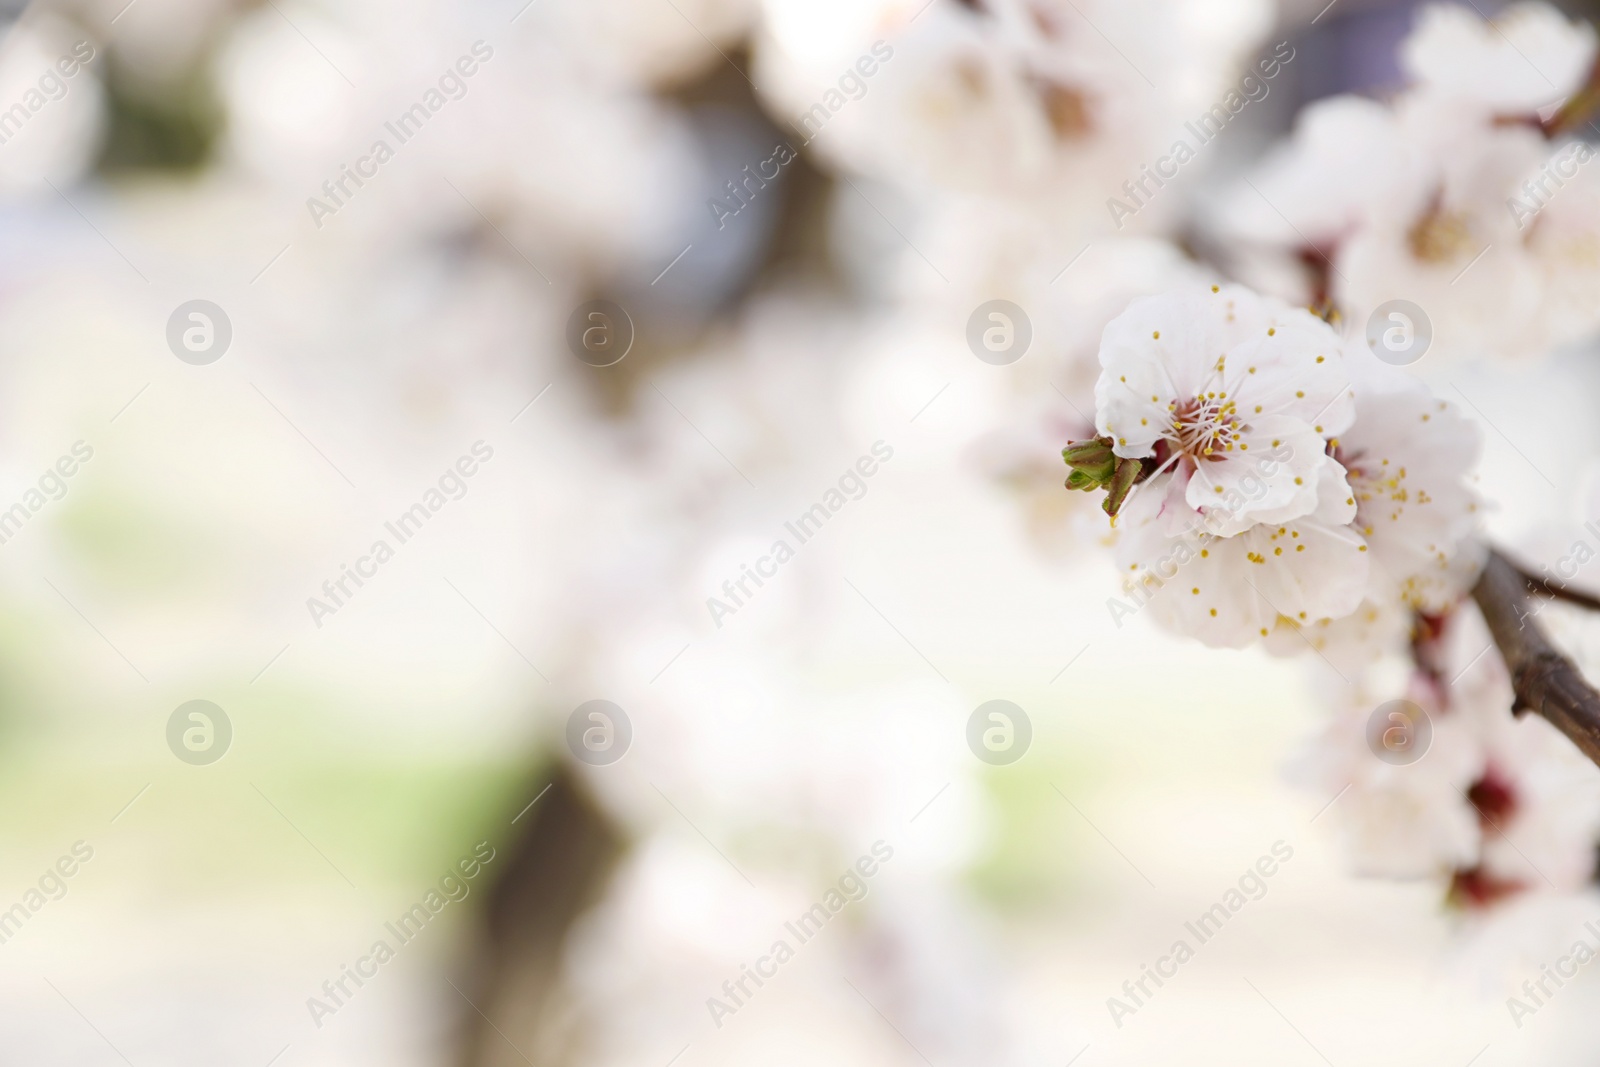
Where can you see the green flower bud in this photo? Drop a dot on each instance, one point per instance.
(1095, 466)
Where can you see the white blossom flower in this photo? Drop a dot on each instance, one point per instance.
(1442, 235)
(1544, 830)
(1238, 420)
(1237, 395)
(1402, 821)
(969, 111)
(1344, 155)
(1439, 197)
(1230, 591)
(1414, 820)
(1049, 101)
(1430, 202)
(1353, 645)
(1558, 211)
(1408, 458)
(1495, 806)
(1525, 59)
(949, 108)
(1055, 383)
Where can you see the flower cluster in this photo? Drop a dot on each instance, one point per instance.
(1051, 100)
(1270, 481)
(1466, 194)
(1498, 805)
(1284, 478)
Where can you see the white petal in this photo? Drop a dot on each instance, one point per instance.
(1528, 57)
(1294, 366)
(1411, 458)
(1271, 479)
(1229, 591)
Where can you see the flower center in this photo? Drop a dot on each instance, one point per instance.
(1379, 487)
(1205, 425)
(1068, 109)
(1440, 236)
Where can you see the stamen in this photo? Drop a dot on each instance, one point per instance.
(1206, 425)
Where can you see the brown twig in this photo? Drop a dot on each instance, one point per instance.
(1544, 679)
(1557, 592)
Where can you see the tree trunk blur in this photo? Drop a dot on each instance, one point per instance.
(554, 870)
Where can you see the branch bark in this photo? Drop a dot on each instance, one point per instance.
(1544, 678)
(1537, 584)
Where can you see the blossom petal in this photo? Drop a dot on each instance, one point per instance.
(1272, 478)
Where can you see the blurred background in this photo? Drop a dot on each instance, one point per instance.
(283, 282)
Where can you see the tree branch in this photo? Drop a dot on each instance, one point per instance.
(1544, 679)
(1557, 592)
